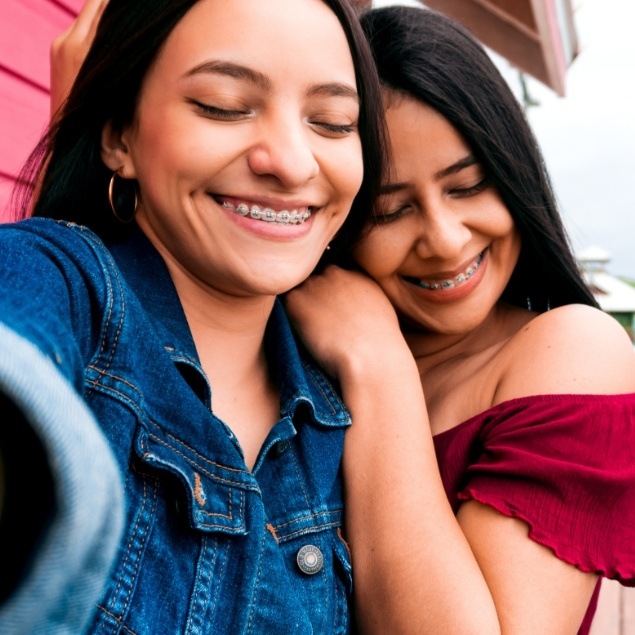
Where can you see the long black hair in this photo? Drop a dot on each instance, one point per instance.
(72, 178)
(426, 55)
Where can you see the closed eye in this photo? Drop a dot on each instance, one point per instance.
(220, 113)
(383, 219)
(334, 129)
(472, 190)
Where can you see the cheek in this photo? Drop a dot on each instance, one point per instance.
(346, 169)
(378, 255)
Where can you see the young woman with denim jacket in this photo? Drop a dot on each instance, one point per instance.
(170, 457)
(470, 291)
(466, 216)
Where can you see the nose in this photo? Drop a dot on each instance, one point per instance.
(443, 235)
(284, 151)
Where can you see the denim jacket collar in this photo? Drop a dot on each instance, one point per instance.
(299, 380)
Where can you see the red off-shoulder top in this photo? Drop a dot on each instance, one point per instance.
(564, 464)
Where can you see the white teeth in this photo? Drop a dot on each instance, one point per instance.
(284, 217)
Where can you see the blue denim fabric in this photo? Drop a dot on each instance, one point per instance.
(207, 545)
(59, 592)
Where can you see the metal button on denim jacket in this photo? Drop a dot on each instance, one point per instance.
(207, 546)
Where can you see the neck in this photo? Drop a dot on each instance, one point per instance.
(228, 332)
(433, 348)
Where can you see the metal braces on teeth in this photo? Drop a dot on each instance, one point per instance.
(450, 284)
(267, 214)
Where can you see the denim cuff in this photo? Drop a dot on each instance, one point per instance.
(62, 585)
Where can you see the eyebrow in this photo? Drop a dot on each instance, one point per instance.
(461, 164)
(230, 69)
(238, 71)
(335, 89)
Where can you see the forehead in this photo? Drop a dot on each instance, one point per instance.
(295, 37)
(420, 136)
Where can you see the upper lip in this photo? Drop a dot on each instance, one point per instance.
(267, 201)
(448, 274)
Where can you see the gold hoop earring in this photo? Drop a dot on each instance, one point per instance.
(111, 188)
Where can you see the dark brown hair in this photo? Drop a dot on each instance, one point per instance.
(426, 55)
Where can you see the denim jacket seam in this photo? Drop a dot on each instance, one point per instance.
(307, 530)
(204, 459)
(112, 281)
(296, 519)
(338, 409)
(299, 478)
(117, 393)
(205, 471)
(115, 595)
(257, 580)
(118, 378)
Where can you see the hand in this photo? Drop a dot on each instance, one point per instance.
(68, 51)
(344, 320)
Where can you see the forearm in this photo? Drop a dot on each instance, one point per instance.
(414, 569)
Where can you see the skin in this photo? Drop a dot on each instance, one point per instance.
(388, 340)
(224, 119)
(69, 49)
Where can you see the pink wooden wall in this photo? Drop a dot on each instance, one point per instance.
(27, 28)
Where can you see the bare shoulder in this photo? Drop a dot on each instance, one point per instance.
(573, 349)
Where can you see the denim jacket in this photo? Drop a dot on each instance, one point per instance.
(206, 546)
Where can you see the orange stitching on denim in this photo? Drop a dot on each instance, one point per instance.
(272, 531)
(199, 492)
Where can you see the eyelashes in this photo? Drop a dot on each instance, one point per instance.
(455, 193)
(221, 113)
(465, 192)
(226, 114)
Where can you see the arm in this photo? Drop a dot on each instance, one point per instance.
(61, 487)
(417, 567)
(69, 49)
(414, 570)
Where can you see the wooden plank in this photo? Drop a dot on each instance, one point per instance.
(24, 114)
(6, 187)
(72, 6)
(27, 28)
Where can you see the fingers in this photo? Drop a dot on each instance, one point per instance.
(68, 50)
(85, 24)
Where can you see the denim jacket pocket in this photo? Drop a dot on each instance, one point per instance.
(216, 495)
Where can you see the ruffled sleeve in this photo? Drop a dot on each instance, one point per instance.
(564, 464)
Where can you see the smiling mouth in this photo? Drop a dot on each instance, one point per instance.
(269, 215)
(450, 283)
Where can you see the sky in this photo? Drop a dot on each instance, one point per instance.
(588, 136)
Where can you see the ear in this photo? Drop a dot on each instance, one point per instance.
(115, 152)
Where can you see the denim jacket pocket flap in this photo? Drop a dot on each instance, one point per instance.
(216, 495)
